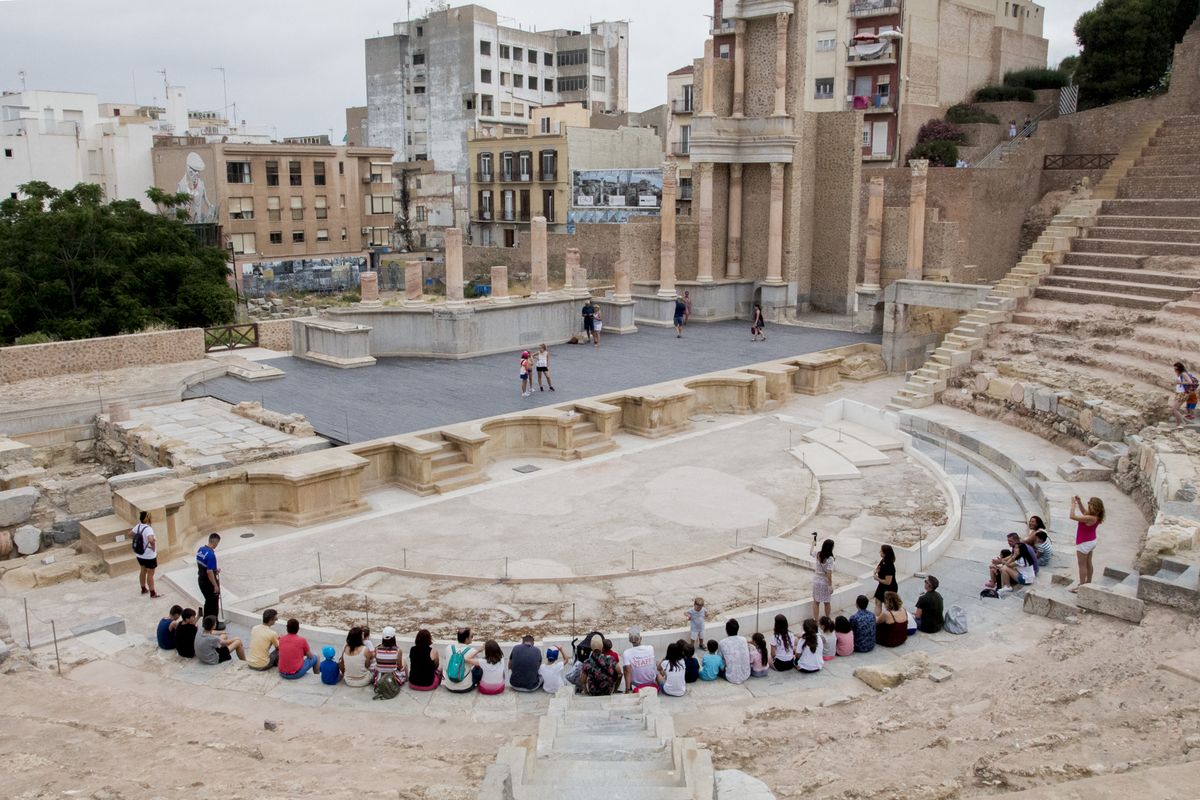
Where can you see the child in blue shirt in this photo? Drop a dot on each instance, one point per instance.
(331, 672)
(712, 666)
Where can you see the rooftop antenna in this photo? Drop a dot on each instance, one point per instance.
(21, 75)
(224, 92)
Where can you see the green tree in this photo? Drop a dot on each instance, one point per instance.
(73, 266)
(1068, 65)
(1127, 47)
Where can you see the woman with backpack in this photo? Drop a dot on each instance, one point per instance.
(1186, 393)
(145, 550)
(462, 674)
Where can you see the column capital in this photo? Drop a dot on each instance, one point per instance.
(919, 167)
(735, 169)
(777, 170)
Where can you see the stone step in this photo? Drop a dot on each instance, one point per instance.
(1142, 289)
(1128, 275)
(455, 482)
(102, 530)
(1149, 160)
(1187, 307)
(1164, 170)
(1113, 260)
(1082, 468)
(1140, 248)
(1113, 593)
(608, 724)
(1149, 208)
(612, 790)
(1186, 338)
(1144, 234)
(448, 458)
(880, 440)
(1185, 187)
(858, 453)
(931, 379)
(1178, 223)
(1172, 149)
(826, 464)
(1174, 138)
(595, 447)
(1175, 584)
(574, 772)
(1108, 298)
(571, 741)
(951, 357)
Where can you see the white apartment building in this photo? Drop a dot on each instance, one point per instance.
(62, 138)
(456, 69)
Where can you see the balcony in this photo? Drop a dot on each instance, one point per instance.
(507, 215)
(548, 177)
(485, 215)
(507, 177)
(874, 8)
(483, 177)
(721, 27)
(681, 148)
(682, 105)
(870, 104)
(871, 54)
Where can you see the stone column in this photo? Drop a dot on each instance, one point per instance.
(368, 288)
(874, 233)
(739, 68)
(781, 30)
(454, 266)
(537, 256)
(623, 288)
(733, 239)
(775, 227)
(666, 246)
(575, 274)
(704, 233)
(706, 97)
(500, 285)
(915, 263)
(413, 288)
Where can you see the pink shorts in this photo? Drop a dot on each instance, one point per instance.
(484, 689)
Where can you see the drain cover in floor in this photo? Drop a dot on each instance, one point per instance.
(247, 535)
(526, 468)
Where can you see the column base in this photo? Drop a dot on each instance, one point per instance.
(501, 300)
(667, 292)
(705, 279)
(370, 303)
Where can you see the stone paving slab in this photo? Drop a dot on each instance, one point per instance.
(858, 453)
(825, 463)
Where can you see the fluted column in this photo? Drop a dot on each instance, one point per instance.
(704, 233)
(706, 96)
(915, 263)
(666, 241)
(454, 266)
(781, 29)
(733, 239)
(874, 233)
(775, 227)
(739, 68)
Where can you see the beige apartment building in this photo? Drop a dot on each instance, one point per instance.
(679, 134)
(276, 202)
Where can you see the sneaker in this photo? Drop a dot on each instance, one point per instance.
(552, 388)
(155, 595)
(541, 389)
(1005, 592)
(145, 590)
(990, 585)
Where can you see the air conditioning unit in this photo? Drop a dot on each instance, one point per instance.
(365, 231)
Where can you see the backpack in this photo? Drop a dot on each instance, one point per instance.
(456, 670)
(1190, 383)
(139, 539)
(386, 687)
(988, 593)
(956, 620)
(582, 651)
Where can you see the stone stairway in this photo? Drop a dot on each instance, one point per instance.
(623, 746)
(1131, 250)
(452, 470)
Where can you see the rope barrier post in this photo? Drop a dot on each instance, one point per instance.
(758, 608)
(367, 607)
(28, 635)
(736, 531)
(768, 533)
(506, 566)
(631, 567)
(572, 621)
(320, 573)
(54, 633)
(406, 558)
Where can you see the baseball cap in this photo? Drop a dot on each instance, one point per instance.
(635, 631)
(328, 651)
(551, 654)
(525, 353)
(389, 632)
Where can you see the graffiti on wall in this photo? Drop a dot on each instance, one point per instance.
(614, 195)
(322, 274)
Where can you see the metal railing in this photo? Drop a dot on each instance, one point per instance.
(886, 54)
(1078, 161)
(231, 337)
(870, 8)
(997, 154)
(681, 148)
(681, 105)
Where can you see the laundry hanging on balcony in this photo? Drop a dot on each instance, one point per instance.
(867, 51)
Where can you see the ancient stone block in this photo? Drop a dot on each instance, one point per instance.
(13, 452)
(20, 476)
(28, 540)
(138, 478)
(88, 494)
(894, 673)
(1109, 453)
(16, 505)
(56, 573)
(1108, 431)
(1000, 388)
(19, 580)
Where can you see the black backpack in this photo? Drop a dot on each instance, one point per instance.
(139, 540)
(582, 651)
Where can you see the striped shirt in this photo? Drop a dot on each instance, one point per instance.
(386, 659)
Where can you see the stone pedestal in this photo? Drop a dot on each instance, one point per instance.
(368, 287)
(817, 373)
(454, 266)
(537, 257)
(704, 233)
(500, 285)
(915, 263)
(774, 298)
(623, 286)
(618, 315)
(666, 262)
(333, 343)
(868, 316)
(413, 280)
(576, 275)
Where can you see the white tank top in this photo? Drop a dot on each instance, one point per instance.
(542, 359)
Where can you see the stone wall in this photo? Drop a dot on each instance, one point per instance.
(22, 362)
(1104, 129)
(835, 251)
(275, 334)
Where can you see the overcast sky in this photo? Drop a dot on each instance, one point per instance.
(297, 64)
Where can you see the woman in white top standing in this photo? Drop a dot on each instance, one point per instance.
(147, 559)
(542, 363)
(822, 582)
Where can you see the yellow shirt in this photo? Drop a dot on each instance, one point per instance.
(261, 639)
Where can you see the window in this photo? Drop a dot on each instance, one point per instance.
(241, 208)
(485, 204)
(485, 76)
(597, 84)
(504, 79)
(420, 214)
(469, 103)
(570, 58)
(505, 109)
(688, 94)
(381, 204)
(322, 235)
(549, 164)
(685, 188)
(272, 173)
(343, 234)
(418, 90)
(273, 209)
(237, 172)
(486, 105)
(866, 140)
(525, 165)
(418, 59)
(508, 199)
(341, 201)
(544, 125)
(548, 204)
(420, 32)
(506, 166)
(321, 204)
(518, 81)
(824, 88)
(504, 51)
(485, 48)
(485, 167)
(548, 84)
(243, 243)
(297, 237)
(518, 109)
(518, 53)
(826, 41)
(276, 237)
(572, 84)
(597, 58)
(381, 173)
(297, 207)
(341, 168)
(548, 59)
(294, 177)
(723, 51)
(532, 56)
(379, 237)
(883, 87)
(524, 205)
(8, 153)
(318, 173)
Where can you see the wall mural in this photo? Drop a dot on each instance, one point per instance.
(614, 195)
(199, 209)
(323, 274)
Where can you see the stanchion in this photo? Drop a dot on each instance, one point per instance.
(320, 573)
(54, 633)
(572, 622)
(757, 607)
(406, 558)
(506, 566)
(28, 636)
(768, 533)
(631, 567)
(736, 531)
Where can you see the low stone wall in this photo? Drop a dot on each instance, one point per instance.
(22, 362)
(276, 334)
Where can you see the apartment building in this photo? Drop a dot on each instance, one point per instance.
(903, 62)
(457, 69)
(276, 202)
(518, 176)
(65, 138)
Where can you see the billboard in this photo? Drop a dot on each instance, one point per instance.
(614, 195)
